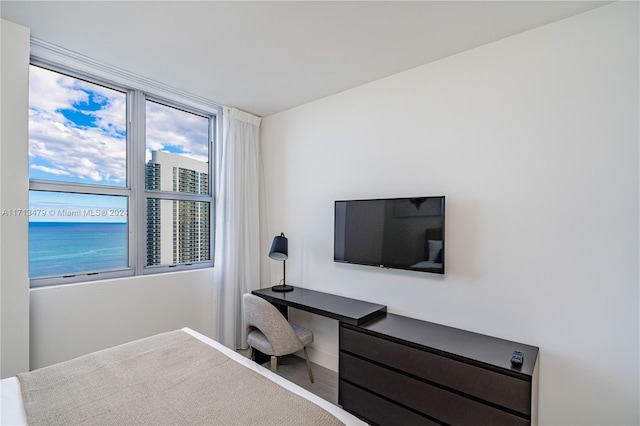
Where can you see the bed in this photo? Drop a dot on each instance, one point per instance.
(179, 377)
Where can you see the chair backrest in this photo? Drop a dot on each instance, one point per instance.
(260, 314)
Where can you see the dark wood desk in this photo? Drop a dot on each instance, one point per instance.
(398, 370)
(343, 309)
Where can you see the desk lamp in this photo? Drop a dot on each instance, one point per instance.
(280, 251)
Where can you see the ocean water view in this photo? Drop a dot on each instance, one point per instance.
(70, 247)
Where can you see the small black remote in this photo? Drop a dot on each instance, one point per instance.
(517, 358)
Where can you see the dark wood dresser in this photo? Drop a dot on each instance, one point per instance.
(396, 370)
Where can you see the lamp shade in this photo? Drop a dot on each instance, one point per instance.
(279, 248)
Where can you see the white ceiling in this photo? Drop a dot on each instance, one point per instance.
(265, 57)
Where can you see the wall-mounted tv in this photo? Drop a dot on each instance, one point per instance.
(398, 233)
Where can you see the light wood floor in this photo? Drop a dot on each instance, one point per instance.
(294, 368)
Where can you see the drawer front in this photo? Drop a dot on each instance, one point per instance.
(440, 404)
(377, 410)
(488, 385)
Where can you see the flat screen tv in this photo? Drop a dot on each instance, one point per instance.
(398, 233)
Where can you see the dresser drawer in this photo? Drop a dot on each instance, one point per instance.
(500, 389)
(442, 405)
(377, 410)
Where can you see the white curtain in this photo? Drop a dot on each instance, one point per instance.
(237, 254)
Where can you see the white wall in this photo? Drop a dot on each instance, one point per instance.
(534, 141)
(73, 320)
(48, 325)
(14, 182)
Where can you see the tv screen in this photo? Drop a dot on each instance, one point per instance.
(399, 233)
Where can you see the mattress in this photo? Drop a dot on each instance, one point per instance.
(13, 411)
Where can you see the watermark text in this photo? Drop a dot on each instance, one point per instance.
(65, 212)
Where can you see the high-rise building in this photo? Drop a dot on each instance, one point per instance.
(178, 231)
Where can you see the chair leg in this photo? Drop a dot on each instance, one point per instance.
(251, 354)
(274, 363)
(308, 365)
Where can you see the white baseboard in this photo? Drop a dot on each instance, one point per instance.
(324, 359)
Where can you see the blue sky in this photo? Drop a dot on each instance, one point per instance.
(77, 133)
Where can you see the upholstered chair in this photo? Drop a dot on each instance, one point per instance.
(269, 331)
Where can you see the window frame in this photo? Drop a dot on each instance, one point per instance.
(175, 195)
(137, 90)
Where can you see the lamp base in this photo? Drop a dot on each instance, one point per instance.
(282, 288)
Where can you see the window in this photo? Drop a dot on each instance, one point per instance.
(76, 233)
(177, 161)
(119, 179)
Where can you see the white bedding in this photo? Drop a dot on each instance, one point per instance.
(12, 411)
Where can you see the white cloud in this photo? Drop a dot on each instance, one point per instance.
(171, 129)
(95, 150)
(50, 91)
(51, 170)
